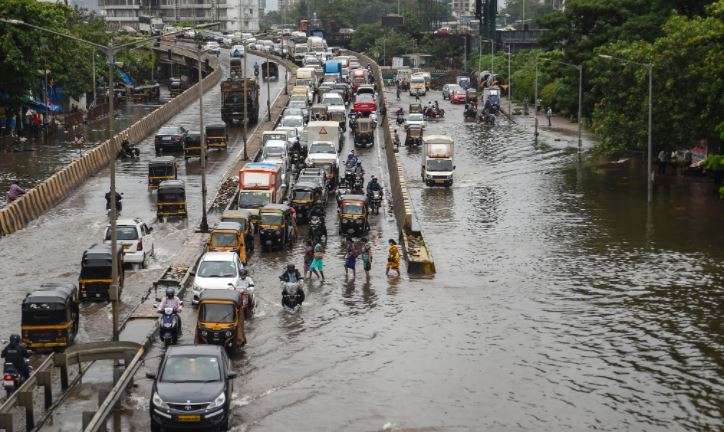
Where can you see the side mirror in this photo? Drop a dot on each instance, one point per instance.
(192, 273)
(231, 375)
(151, 375)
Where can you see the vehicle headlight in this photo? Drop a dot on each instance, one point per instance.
(228, 333)
(204, 333)
(219, 401)
(158, 402)
(277, 232)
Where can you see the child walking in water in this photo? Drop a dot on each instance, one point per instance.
(366, 257)
(350, 259)
(308, 257)
(393, 258)
(317, 266)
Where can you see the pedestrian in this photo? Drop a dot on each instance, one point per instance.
(398, 91)
(366, 256)
(393, 258)
(662, 162)
(15, 191)
(317, 265)
(308, 256)
(11, 125)
(549, 114)
(350, 259)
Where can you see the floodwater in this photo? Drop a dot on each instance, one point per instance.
(561, 302)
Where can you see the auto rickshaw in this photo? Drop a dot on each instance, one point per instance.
(160, 169)
(220, 319)
(338, 116)
(95, 272)
(318, 112)
(415, 108)
(216, 137)
(175, 87)
(364, 134)
(269, 71)
(243, 218)
(353, 213)
(50, 317)
(413, 135)
(228, 237)
(277, 228)
(305, 194)
(192, 145)
(171, 200)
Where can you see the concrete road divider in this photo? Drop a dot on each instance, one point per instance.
(16, 215)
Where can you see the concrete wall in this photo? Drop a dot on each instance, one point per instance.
(418, 255)
(56, 188)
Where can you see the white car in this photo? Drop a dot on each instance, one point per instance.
(292, 121)
(217, 270)
(275, 151)
(212, 47)
(321, 152)
(134, 237)
(415, 119)
(331, 99)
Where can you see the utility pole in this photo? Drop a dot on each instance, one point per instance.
(246, 156)
(268, 91)
(580, 105)
(204, 226)
(114, 293)
(510, 87)
(535, 101)
(94, 77)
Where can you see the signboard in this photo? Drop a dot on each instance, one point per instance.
(397, 62)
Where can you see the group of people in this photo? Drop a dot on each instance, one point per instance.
(432, 109)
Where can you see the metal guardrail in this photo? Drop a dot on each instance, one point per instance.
(24, 396)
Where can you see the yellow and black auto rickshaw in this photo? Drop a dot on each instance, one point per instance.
(160, 169)
(277, 228)
(50, 317)
(192, 145)
(318, 112)
(171, 199)
(243, 218)
(220, 319)
(216, 137)
(413, 135)
(306, 194)
(228, 237)
(353, 212)
(95, 272)
(364, 133)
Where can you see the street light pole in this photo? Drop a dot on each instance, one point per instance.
(204, 226)
(94, 77)
(510, 87)
(268, 92)
(243, 69)
(114, 293)
(535, 100)
(580, 105)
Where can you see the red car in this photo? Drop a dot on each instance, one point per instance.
(458, 97)
(364, 103)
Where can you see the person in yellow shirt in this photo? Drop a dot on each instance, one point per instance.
(393, 258)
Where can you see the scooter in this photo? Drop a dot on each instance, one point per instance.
(292, 294)
(168, 326)
(317, 231)
(12, 378)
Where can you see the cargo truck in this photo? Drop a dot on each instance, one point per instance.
(232, 101)
(437, 160)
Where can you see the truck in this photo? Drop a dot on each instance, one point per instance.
(418, 87)
(300, 50)
(260, 183)
(324, 141)
(327, 131)
(232, 101)
(157, 26)
(316, 44)
(437, 160)
(307, 77)
(333, 68)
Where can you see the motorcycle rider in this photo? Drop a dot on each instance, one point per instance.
(256, 69)
(372, 186)
(126, 149)
(172, 301)
(352, 159)
(358, 170)
(246, 283)
(16, 353)
(296, 148)
(291, 275)
(119, 198)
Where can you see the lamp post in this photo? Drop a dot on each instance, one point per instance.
(243, 134)
(535, 101)
(579, 68)
(204, 226)
(650, 69)
(510, 87)
(268, 91)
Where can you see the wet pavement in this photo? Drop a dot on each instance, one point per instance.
(561, 302)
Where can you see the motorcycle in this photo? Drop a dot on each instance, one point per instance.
(296, 160)
(375, 201)
(434, 113)
(130, 153)
(119, 202)
(317, 232)
(358, 184)
(400, 119)
(12, 378)
(349, 176)
(168, 326)
(292, 294)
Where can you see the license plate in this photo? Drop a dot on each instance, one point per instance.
(189, 418)
(8, 383)
(166, 138)
(439, 181)
(98, 295)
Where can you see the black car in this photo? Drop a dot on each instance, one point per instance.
(192, 390)
(170, 139)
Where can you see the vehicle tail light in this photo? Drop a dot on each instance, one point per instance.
(139, 245)
(7, 377)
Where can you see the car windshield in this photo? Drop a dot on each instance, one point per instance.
(216, 269)
(439, 165)
(253, 199)
(272, 218)
(191, 368)
(352, 209)
(223, 239)
(217, 312)
(169, 130)
(297, 104)
(301, 195)
(334, 101)
(415, 117)
(322, 147)
(292, 121)
(123, 232)
(293, 111)
(364, 97)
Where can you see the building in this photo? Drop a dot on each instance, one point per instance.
(462, 7)
(235, 15)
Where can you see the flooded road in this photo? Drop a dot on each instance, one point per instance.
(560, 302)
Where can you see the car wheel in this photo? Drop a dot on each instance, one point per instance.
(155, 427)
(224, 426)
